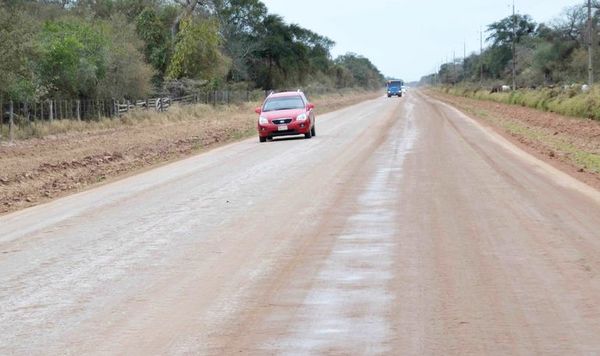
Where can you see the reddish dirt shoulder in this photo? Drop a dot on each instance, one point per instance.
(40, 169)
(569, 144)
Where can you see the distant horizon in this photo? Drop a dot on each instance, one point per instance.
(410, 50)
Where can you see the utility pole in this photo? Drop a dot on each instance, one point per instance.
(480, 57)
(514, 48)
(590, 54)
(447, 76)
(441, 67)
(454, 67)
(464, 59)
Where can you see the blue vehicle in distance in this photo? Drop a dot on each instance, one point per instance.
(395, 88)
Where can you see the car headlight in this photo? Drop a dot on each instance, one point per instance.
(263, 120)
(301, 117)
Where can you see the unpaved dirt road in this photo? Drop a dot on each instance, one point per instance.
(402, 228)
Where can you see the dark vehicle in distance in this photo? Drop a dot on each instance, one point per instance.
(395, 88)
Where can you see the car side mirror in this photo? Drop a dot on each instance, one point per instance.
(258, 110)
(310, 106)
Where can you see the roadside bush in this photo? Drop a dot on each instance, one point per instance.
(127, 74)
(73, 57)
(566, 101)
(197, 54)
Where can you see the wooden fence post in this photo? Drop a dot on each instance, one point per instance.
(1, 118)
(11, 122)
(78, 108)
(51, 110)
(26, 113)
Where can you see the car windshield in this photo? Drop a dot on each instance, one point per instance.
(284, 103)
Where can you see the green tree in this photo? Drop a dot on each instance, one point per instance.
(127, 75)
(288, 55)
(157, 42)
(18, 80)
(364, 73)
(109, 48)
(501, 32)
(239, 22)
(73, 57)
(275, 40)
(197, 52)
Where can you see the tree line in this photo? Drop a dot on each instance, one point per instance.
(124, 49)
(545, 53)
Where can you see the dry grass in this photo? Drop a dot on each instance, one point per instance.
(571, 102)
(139, 117)
(175, 114)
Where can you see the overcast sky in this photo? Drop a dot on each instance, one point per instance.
(407, 38)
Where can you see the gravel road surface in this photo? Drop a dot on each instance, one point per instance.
(404, 227)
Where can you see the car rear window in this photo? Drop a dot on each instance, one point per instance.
(284, 103)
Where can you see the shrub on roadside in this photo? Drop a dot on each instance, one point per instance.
(569, 101)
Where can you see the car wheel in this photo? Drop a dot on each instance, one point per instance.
(313, 131)
(262, 139)
(308, 134)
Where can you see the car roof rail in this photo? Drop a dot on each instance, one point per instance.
(273, 91)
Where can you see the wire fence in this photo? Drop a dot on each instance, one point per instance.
(26, 113)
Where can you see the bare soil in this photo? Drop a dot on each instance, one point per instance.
(40, 169)
(568, 143)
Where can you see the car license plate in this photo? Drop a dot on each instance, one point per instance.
(282, 127)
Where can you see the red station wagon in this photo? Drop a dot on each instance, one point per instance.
(285, 114)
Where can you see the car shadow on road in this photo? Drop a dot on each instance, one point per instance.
(288, 138)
